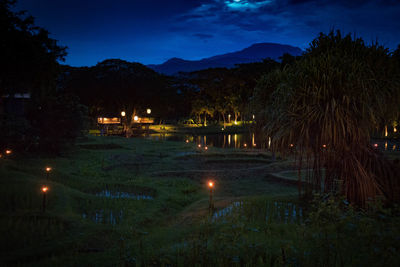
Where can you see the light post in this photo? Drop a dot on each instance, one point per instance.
(229, 118)
(45, 189)
(211, 203)
(48, 170)
(148, 111)
(123, 114)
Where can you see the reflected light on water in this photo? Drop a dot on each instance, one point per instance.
(269, 142)
(229, 140)
(386, 145)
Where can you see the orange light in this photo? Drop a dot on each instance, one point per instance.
(324, 146)
(291, 145)
(8, 151)
(206, 147)
(245, 145)
(211, 184)
(254, 144)
(187, 141)
(199, 145)
(375, 145)
(45, 189)
(48, 169)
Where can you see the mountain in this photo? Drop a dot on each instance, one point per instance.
(254, 53)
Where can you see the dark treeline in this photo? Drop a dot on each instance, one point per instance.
(115, 85)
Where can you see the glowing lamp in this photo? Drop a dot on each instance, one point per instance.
(187, 141)
(148, 111)
(1, 155)
(222, 129)
(123, 113)
(375, 145)
(324, 146)
(236, 122)
(245, 145)
(135, 118)
(291, 145)
(210, 184)
(48, 169)
(45, 189)
(394, 129)
(206, 147)
(254, 117)
(8, 151)
(254, 144)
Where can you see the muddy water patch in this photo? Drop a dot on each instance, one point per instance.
(105, 216)
(270, 212)
(121, 194)
(124, 192)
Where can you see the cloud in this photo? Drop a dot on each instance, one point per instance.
(203, 36)
(246, 5)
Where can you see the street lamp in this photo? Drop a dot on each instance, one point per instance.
(123, 113)
(211, 203)
(135, 118)
(148, 111)
(8, 152)
(45, 189)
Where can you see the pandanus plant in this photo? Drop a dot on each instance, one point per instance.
(324, 109)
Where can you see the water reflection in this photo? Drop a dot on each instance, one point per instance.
(239, 140)
(119, 194)
(283, 212)
(104, 216)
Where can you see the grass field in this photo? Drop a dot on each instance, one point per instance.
(136, 202)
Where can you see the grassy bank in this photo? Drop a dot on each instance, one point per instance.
(135, 202)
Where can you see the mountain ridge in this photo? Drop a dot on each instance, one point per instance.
(254, 53)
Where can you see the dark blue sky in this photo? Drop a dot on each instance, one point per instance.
(152, 31)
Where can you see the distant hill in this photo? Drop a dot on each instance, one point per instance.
(254, 53)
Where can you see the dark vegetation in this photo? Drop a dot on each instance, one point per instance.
(134, 202)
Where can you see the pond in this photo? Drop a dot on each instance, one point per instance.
(246, 140)
(222, 140)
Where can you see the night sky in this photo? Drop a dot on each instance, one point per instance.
(152, 31)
